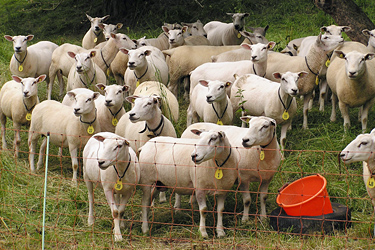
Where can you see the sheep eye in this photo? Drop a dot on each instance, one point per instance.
(283, 79)
(118, 146)
(362, 144)
(221, 86)
(119, 92)
(124, 38)
(88, 100)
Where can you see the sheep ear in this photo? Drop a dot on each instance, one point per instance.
(131, 99)
(270, 45)
(273, 122)
(246, 46)
(125, 88)
(227, 84)
(295, 47)
(236, 76)
(165, 29)
(203, 82)
(101, 25)
(71, 94)
(41, 78)
(323, 29)
(95, 95)
(340, 54)
(246, 14)
(113, 35)
(119, 25)
(9, 38)
(369, 56)
(196, 131)
(266, 28)
(302, 74)
(125, 51)
(345, 29)
(71, 54)
(99, 138)
(157, 99)
(17, 78)
(277, 75)
(147, 52)
(221, 134)
(89, 17)
(100, 86)
(105, 17)
(184, 29)
(365, 32)
(372, 132)
(246, 118)
(30, 37)
(92, 53)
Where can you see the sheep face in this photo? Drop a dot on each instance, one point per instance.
(112, 149)
(355, 63)
(238, 20)
(176, 36)
(217, 90)
(195, 29)
(114, 94)
(211, 143)
(83, 103)
(137, 58)
(254, 38)
(360, 149)
(111, 28)
(29, 85)
(334, 30)
(144, 108)
(142, 42)
(261, 131)
(83, 61)
(371, 35)
(97, 23)
(329, 42)
(123, 41)
(259, 51)
(289, 81)
(19, 42)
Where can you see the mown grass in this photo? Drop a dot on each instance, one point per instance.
(309, 152)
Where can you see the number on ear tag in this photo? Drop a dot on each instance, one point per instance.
(95, 39)
(219, 174)
(20, 68)
(219, 122)
(137, 83)
(90, 130)
(285, 115)
(371, 182)
(261, 156)
(317, 80)
(118, 185)
(239, 35)
(28, 117)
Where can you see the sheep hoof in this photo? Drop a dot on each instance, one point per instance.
(118, 237)
(220, 233)
(90, 221)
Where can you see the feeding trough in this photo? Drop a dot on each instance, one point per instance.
(305, 206)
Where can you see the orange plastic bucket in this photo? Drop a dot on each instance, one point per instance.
(307, 196)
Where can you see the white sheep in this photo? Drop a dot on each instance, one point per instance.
(94, 35)
(259, 96)
(68, 126)
(84, 73)
(351, 79)
(108, 161)
(239, 54)
(317, 56)
(176, 38)
(184, 59)
(224, 71)
(144, 121)
(107, 30)
(169, 102)
(189, 166)
(371, 40)
(17, 101)
(145, 64)
(210, 102)
(362, 149)
(261, 137)
(31, 61)
(195, 29)
(219, 33)
(62, 63)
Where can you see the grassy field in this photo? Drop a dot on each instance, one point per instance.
(308, 152)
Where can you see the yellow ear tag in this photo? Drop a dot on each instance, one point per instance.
(285, 115)
(239, 35)
(95, 39)
(20, 68)
(114, 121)
(317, 80)
(371, 182)
(118, 185)
(219, 174)
(219, 122)
(137, 83)
(328, 62)
(108, 72)
(90, 130)
(28, 117)
(261, 156)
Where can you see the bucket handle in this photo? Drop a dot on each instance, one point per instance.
(283, 187)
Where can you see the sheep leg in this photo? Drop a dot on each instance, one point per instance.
(246, 199)
(284, 129)
(162, 197)
(220, 208)
(263, 197)
(32, 141)
(306, 100)
(360, 113)
(177, 203)
(186, 82)
(17, 139)
(61, 84)
(333, 111)
(364, 115)
(344, 109)
(201, 199)
(119, 79)
(90, 189)
(122, 205)
(370, 191)
(146, 202)
(323, 91)
(115, 214)
(190, 114)
(243, 113)
(42, 152)
(73, 155)
(3, 120)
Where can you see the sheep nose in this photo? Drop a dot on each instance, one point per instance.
(25, 93)
(97, 28)
(107, 102)
(294, 91)
(351, 73)
(237, 27)
(208, 98)
(100, 163)
(171, 40)
(193, 157)
(17, 48)
(131, 63)
(76, 110)
(253, 57)
(205, 35)
(79, 68)
(131, 115)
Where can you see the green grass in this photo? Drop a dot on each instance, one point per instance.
(309, 152)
